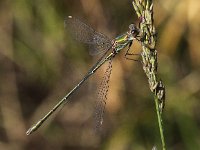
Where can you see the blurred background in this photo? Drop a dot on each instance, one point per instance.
(40, 63)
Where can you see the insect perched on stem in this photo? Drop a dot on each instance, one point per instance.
(98, 43)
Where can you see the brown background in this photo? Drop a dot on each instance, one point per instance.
(40, 63)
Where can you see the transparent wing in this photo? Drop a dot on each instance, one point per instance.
(102, 97)
(82, 32)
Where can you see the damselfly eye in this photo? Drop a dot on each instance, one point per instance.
(133, 32)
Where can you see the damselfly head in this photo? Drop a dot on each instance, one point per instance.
(133, 30)
(132, 27)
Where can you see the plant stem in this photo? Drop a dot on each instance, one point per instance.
(159, 116)
(144, 11)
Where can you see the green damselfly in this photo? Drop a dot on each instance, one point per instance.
(98, 43)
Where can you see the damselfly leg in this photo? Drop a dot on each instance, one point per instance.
(128, 54)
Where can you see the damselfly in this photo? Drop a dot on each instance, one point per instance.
(98, 43)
